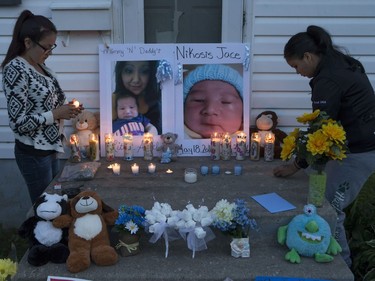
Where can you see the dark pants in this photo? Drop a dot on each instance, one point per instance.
(38, 171)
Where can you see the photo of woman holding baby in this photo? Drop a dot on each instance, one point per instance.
(138, 79)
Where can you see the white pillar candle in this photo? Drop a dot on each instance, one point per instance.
(135, 169)
(151, 168)
(190, 175)
(255, 146)
(94, 147)
(75, 154)
(75, 103)
(215, 146)
(128, 146)
(116, 168)
(148, 146)
(269, 146)
(226, 147)
(241, 146)
(109, 147)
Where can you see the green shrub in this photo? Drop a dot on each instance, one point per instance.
(360, 227)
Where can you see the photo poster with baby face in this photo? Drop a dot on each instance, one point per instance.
(213, 95)
(200, 89)
(136, 94)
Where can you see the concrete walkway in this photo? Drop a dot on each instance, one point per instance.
(215, 263)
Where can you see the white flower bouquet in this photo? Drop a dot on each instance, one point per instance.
(193, 226)
(161, 221)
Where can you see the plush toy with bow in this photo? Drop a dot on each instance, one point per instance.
(88, 234)
(46, 242)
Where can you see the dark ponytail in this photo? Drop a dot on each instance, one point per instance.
(31, 26)
(317, 41)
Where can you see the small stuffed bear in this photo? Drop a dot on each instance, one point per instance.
(168, 147)
(267, 122)
(84, 124)
(88, 233)
(46, 242)
(308, 235)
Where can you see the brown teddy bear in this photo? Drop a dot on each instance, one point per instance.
(168, 147)
(88, 234)
(267, 121)
(84, 124)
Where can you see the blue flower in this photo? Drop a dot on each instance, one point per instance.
(237, 222)
(135, 214)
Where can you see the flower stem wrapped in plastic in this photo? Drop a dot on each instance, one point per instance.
(233, 219)
(194, 227)
(161, 220)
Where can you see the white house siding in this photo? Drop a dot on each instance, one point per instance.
(76, 65)
(275, 85)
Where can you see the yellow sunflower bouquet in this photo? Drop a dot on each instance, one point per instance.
(324, 140)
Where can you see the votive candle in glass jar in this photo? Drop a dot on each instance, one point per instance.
(191, 175)
(215, 169)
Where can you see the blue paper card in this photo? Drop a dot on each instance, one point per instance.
(273, 202)
(267, 278)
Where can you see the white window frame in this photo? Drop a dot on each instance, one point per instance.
(131, 14)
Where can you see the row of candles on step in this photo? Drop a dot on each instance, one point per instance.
(151, 168)
(221, 146)
(190, 174)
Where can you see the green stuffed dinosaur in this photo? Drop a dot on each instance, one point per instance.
(308, 235)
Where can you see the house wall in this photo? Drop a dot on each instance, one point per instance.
(275, 86)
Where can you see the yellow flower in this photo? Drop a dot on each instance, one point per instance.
(307, 117)
(323, 140)
(295, 133)
(7, 268)
(334, 132)
(337, 152)
(318, 143)
(289, 144)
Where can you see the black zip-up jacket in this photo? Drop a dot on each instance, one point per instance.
(346, 94)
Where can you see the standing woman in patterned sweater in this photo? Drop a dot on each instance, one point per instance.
(35, 101)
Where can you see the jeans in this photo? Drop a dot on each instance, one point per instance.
(37, 171)
(345, 180)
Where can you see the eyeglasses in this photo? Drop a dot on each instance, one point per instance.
(47, 50)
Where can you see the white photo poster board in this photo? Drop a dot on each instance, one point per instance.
(129, 57)
(174, 63)
(215, 109)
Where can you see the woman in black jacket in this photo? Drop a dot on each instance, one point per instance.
(341, 88)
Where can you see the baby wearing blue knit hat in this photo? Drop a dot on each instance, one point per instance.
(212, 101)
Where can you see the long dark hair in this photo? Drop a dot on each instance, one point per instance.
(152, 91)
(318, 41)
(31, 26)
